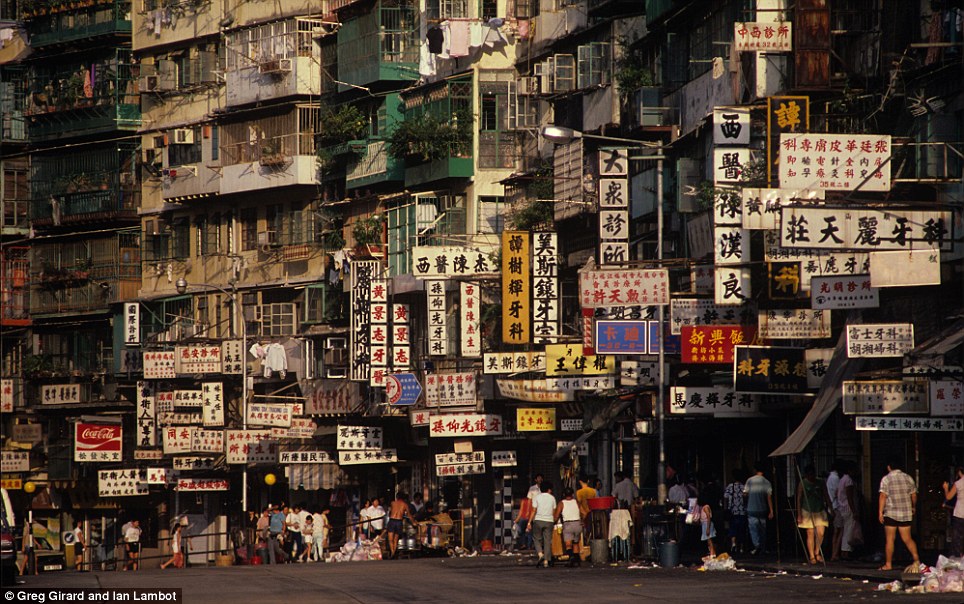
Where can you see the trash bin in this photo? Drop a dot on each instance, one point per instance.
(600, 551)
(669, 554)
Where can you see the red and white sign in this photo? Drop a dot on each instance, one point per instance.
(203, 484)
(159, 365)
(206, 441)
(300, 428)
(632, 287)
(947, 398)
(465, 424)
(835, 162)
(451, 390)
(6, 396)
(419, 417)
(250, 446)
(98, 442)
(330, 397)
(713, 343)
(762, 37)
(177, 440)
(269, 415)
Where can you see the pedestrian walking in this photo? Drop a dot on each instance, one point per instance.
(833, 481)
(955, 493)
(759, 508)
(848, 509)
(79, 545)
(707, 530)
(276, 528)
(307, 538)
(397, 513)
(319, 540)
(293, 531)
(541, 522)
(734, 502)
(898, 498)
(568, 510)
(27, 548)
(132, 537)
(177, 555)
(812, 503)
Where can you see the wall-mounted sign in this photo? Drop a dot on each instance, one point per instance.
(193, 463)
(159, 365)
(212, 403)
(353, 438)
(905, 268)
(843, 292)
(815, 263)
(269, 414)
(202, 484)
(541, 419)
(455, 389)
(762, 37)
(582, 449)
(728, 165)
(621, 337)
(28, 433)
(470, 309)
(714, 343)
(232, 357)
(122, 483)
(197, 359)
(300, 428)
(880, 340)
(249, 446)
(731, 245)
(58, 394)
(354, 458)
(516, 287)
(146, 415)
(769, 370)
(731, 126)
(835, 162)
(533, 391)
(504, 459)
(947, 398)
(865, 229)
(363, 272)
(207, 441)
(716, 400)
(293, 457)
(330, 396)
(884, 397)
(911, 424)
(176, 440)
(461, 469)
(98, 442)
(496, 363)
(784, 114)
(794, 324)
(435, 262)
(455, 459)
(545, 287)
(818, 362)
(6, 395)
(569, 384)
(465, 424)
(703, 311)
(419, 417)
(731, 286)
(438, 326)
(605, 288)
(14, 461)
(568, 359)
(132, 323)
(761, 207)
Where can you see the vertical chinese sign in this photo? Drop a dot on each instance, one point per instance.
(438, 332)
(401, 338)
(212, 403)
(515, 287)
(132, 324)
(146, 416)
(379, 331)
(785, 115)
(470, 300)
(545, 287)
(613, 206)
(362, 273)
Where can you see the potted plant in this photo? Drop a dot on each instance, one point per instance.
(367, 233)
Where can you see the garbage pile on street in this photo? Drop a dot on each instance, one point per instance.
(721, 562)
(358, 551)
(947, 576)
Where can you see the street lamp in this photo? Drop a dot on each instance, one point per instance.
(561, 135)
(181, 285)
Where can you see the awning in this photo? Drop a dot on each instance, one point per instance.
(942, 343)
(599, 422)
(841, 368)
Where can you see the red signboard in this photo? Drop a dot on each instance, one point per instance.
(98, 442)
(713, 344)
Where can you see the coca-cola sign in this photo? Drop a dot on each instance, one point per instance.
(98, 442)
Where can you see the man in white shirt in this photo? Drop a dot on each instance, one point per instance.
(541, 521)
(293, 524)
(376, 516)
(132, 537)
(536, 487)
(624, 490)
(833, 481)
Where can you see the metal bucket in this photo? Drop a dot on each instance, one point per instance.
(411, 543)
(669, 554)
(599, 549)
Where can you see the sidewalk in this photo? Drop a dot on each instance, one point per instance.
(851, 569)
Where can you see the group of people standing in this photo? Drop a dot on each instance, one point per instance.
(292, 534)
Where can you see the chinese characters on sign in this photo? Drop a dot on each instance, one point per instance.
(356, 438)
(731, 286)
(783, 280)
(122, 483)
(159, 365)
(516, 284)
(919, 424)
(568, 359)
(503, 459)
(621, 337)
(864, 229)
(6, 395)
(713, 344)
(419, 417)
(291, 457)
(359, 348)
(206, 441)
(401, 338)
(843, 292)
(884, 397)
(731, 245)
(818, 362)
(438, 332)
(177, 440)
(947, 398)
(545, 287)
(202, 484)
(460, 469)
(684, 400)
(300, 428)
(193, 463)
(592, 382)
(791, 324)
(762, 37)
(701, 311)
(728, 164)
(14, 461)
(530, 419)
(769, 370)
(250, 446)
(188, 398)
(212, 403)
(146, 418)
(455, 459)
(731, 126)
(353, 458)
(470, 308)
(533, 391)
(465, 424)
(380, 351)
(880, 340)
(495, 363)
(232, 357)
(613, 206)
(451, 390)
(56, 394)
(329, 397)
(815, 262)
(197, 359)
(835, 162)
(784, 114)
(632, 287)
(132, 323)
(435, 262)
(264, 414)
(98, 442)
(761, 207)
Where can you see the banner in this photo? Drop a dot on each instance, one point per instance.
(516, 287)
(98, 442)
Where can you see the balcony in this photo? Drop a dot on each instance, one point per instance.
(53, 22)
(282, 154)
(85, 276)
(94, 184)
(14, 291)
(83, 99)
(437, 132)
(273, 61)
(375, 165)
(379, 46)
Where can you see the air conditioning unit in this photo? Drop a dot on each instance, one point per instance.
(268, 239)
(336, 372)
(648, 111)
(335, 343)
(336, 357)
(284, 65)
(275, 66)
(252, 314)
(184, 136)
(150, 83)
(529, 85)
(151, 227)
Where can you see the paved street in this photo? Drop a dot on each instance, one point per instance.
(486, 579)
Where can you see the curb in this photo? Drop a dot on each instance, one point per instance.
(856, 574)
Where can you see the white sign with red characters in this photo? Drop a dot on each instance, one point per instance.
(465, 424)
(470, 340)
(206, 441)
(177, 439)
(835, 162)
(419, 417)
(451, 390)
(632, 287)
(300, 428)
(6, 396)
(947, 398)
(98, 442)
(122, 483)
(762, 37)
(401, 338)
(197, 359)
(203, 484)
(249, 446)
(330, 397)
(159, 365)
(261, 414)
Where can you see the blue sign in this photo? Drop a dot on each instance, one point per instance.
(621, 337)
(402, 388)
(671, 346)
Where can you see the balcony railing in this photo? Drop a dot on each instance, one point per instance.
(382, 45)
(269, 152)
(14, 286)
(57, 22)
(374, 165)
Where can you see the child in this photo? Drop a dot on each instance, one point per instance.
(706, 524)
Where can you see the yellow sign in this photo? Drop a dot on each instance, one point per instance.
(535, 420)
(785, 114)
(516, 282)
(568, 360)
(14, 484)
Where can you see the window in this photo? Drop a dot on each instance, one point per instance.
(593, 64)
(447, 9)
(526, 9)
(214, 142)
(491, 210)
(488, 9)
(203, 324)
(184, 154)
(181, 235)
(274, 221)
(321, 303)
(402, 230)
(249, 229)
(209, 235)
(497, 139)
(278, 319)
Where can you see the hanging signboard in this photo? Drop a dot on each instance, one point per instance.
(621, 337)
(438, 327)
(542, 419)
(533, 391)
(379, 333)
(354, 458)
(815, 263)
(202, 484)
(197, 359)
(122, 483)
(207, 441)
(419, 417)
(232, 357)
(731, 126)
(946, 398)
(791, 324)
(14, 461)
(132, 324)
(329, 397)
(268, 414)
(176, 440)
(297, 457)
(442, 262)
(516, 287)
(571, 384)
(716, 400)
(461, 469)
(98, 442)
(6, 395)
(703, 311)
(160, 476)
(885, 397)
(865, 229)
(912, 424)
(582, 449)
(250, 446)
(455, 459)
(906, 268)
(353, 438)
(568, 359)
(783, 280)
(504, 459)
(470, 307)
(769, 370)
(762, 37)
(28, 433)
(212, 403)
(835, 162)
(465, 424)
(732, 285)
(761, 207)
(193, 463)
(359, 338)
(457, 389)
(784, 114)
(545, 287)
(300, 428)
(159, 365)
(58, 394)
(843, 292)
(728, 165)
(732, 245)
(496, 363)
(402, 338)
(818, 361)
(605, 288)
(146, 415)
(879, 340)
(713, 344)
